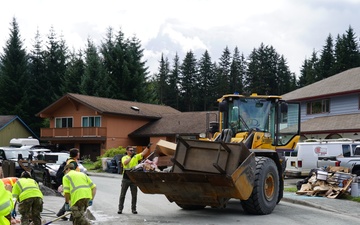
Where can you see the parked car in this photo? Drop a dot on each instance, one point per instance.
(12, 154)
(46, 173)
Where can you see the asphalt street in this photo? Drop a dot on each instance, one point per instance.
(346, 207)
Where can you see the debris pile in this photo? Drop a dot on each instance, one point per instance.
(331, 182)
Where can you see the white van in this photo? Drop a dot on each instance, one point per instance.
(313, 154)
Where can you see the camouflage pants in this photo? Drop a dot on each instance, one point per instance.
(30, 209)
(78, 212)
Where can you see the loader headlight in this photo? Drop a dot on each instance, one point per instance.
(267, 135)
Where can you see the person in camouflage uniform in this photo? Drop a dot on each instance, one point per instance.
(29, 198)
(79, 192)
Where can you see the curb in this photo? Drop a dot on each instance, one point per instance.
(305, 203)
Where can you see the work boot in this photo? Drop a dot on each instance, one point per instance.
(119, 211)
(134, 211)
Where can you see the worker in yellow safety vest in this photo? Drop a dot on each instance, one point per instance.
(79, 192)
(27, 193)
(74, 159)
(6, 204)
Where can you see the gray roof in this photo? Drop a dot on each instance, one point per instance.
(111, 106)
(343, 83)
(186, 123)
(330, 124)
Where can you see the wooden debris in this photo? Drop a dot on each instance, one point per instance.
(337, 183)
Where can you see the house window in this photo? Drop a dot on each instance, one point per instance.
(318, 106)
(63, 122)
(91, 121)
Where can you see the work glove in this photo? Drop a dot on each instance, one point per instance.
(13, 213)
(90, 202)
(67, 207)
(149, 145)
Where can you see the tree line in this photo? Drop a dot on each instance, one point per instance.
(31, 81)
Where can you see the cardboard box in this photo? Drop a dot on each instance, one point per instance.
(165, 147)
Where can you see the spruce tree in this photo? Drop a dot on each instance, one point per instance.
(73, 74)
(14, 75)
(327, 60)
(187, 81)
(174, 84)
(206, 81)
(237, 72)
(95, 81)
(162, 80)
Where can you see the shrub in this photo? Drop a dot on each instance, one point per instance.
(110, 153)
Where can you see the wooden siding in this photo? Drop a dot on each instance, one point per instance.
(15, 129)
(339, 105)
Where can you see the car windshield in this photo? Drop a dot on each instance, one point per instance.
(13, 154)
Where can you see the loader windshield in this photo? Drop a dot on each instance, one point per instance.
(278, 118)
(245, 114)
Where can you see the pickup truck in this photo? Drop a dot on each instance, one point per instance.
(351, 161)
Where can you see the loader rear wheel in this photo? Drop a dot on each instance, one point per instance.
(190, 207)
(265, 194)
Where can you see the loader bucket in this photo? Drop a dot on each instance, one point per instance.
(204, 173)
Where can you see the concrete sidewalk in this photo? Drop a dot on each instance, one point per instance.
(52, 203)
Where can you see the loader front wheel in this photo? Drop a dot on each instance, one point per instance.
(265, 194)
(190, 207)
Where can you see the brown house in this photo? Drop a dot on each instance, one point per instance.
(94, 124)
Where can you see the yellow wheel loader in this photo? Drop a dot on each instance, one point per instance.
(243, 159)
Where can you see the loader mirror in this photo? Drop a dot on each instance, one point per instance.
(223, 106)
(284, 107)
(213, 127)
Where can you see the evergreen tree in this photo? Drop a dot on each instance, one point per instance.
(137, 71)
(56, 56)
(74, 73)
(37, 83)
(162, 78)
(223, 75)
(284, 78)
(327, 60)
(309, 71)
(346, 51)
(95, 81)
(174, 83)
(113, 53)
(206, 81)
(237, 72)
(14, 75)
(188, 81)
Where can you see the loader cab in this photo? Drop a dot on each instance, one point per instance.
(275, 121)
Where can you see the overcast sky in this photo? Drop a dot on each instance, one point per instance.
(293, 27)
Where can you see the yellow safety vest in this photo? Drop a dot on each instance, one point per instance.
(4, 220)
(133, 162)
(78, 185)
(26, 188)
(69, 160)
(6, 202)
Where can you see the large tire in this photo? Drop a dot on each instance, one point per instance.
(190, 207)
(265, 194)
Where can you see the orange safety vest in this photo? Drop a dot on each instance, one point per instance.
(9, 180)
